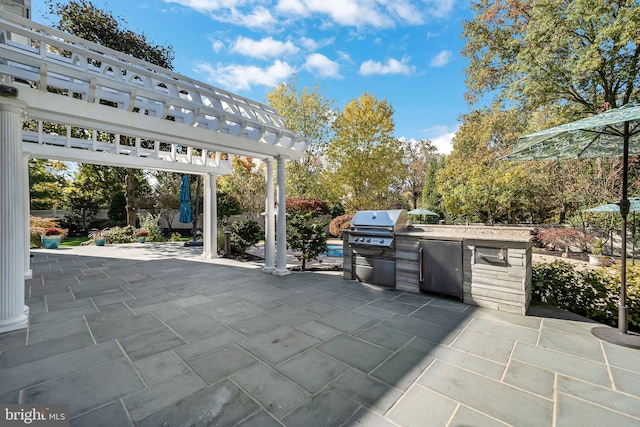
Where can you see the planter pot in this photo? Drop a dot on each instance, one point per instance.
(100, 241)
(142, 239)
(51, 242)
(599, 260)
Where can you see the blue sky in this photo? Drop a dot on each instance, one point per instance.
(407, 51)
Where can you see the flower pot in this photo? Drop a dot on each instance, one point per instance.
(51, 242)
(100, 241)
(142, 239)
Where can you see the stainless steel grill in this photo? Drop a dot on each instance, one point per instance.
(372, 239)
(376, 228)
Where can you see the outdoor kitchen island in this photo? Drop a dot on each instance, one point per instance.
(487, 266)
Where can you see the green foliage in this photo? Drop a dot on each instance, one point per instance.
(306, 235)
(228, 205)
(590, 293)
(309, 114)
(244, 234)
(246, 183)
(47, 184)
(124, 234)
(83, 19)
(150, 223)
(365, 165)
(118, 208)
(175, 237)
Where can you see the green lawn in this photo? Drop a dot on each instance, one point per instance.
(73, 241)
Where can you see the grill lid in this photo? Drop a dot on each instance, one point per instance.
(389, 219)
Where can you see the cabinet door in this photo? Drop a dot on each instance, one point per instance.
(441, 267)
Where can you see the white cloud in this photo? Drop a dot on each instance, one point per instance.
(311, 44)
(319, 64)
(265, 48)
(353, 13)
(439, 8)
(207, 5)
(216, 45)
(294, 7)
(441, 59)
(392, 66)
(243, 77)
(259, 17)
(441, 137)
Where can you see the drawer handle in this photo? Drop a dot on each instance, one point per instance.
(420, 269)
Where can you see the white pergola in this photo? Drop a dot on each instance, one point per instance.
(120, 111)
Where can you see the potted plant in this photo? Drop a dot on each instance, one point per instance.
(597, 256)
(141, 235)
(99, 237)
(51, 237)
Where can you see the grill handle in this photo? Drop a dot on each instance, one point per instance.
(420, 268)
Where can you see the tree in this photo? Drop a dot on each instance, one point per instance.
(47, 184)
(309, 114)
(167, 195)
(117, 208)
(473, 184)
(247, 184)
(305, 232)
(83, 19)
(418, 154)
(583, 54)
(364, 160)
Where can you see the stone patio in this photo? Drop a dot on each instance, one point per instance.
(155, 335)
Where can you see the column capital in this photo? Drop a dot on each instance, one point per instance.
(13, 106)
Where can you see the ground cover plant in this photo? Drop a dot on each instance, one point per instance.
(590, 293)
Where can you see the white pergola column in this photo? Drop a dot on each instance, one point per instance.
(210, 223)
(269, 221)
(14, 314)
(28, 273)
(281, 232)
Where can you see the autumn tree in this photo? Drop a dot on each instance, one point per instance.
(364, 161)
(583, 54)
(418, 155)
(83, 19)
(247, 184)
(309, 114)
(47, 184)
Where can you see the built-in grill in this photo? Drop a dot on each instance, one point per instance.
(372, 239)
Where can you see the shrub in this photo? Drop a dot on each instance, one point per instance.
(590, 293)
(340, 223)
(175, 237)
(150, 223)
(302, 206)
(306, 235)
(119, 234)
(244, 234)
(37, 227)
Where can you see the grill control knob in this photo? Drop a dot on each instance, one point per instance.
(368, 240)
(381, 240)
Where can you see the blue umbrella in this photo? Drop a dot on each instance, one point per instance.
(185, 200)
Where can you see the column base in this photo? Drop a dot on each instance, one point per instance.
(281, 272)
(268, 269)
(28, 275)
(16, 323)
(209, 256)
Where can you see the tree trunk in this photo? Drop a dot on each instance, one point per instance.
(130, 196)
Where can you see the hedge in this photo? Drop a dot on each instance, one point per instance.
(590, 293)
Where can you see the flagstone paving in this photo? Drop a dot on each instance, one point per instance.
(156, 335)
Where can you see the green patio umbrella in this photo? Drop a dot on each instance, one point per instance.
(422, 211)
(613, 133)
